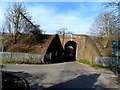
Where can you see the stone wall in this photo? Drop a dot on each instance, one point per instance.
(108, 61)
(21, 56)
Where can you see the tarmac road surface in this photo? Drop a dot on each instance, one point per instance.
(63, 75)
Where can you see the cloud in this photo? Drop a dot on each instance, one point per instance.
(51, 21)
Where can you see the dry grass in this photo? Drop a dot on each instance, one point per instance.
(27, 43)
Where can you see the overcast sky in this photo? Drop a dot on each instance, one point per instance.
(77, 17)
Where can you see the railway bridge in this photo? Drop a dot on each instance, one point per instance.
(71, 47)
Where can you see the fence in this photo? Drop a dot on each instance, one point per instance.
(108, 61)
(21, 56)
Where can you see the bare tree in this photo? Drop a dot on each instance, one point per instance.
(14, 20)
(29, 27)
(8, 25)
(114, 7)
(61, 31)
(69, 32)
(36, 30)
(104, 27)
(105, 24)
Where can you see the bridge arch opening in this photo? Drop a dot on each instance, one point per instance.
(70, 51)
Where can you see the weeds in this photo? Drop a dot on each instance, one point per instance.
(112, 68)
(84, 61)
(21, 62)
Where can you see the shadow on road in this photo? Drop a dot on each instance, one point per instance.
(83, 81)
(12, 81)
(30, 78)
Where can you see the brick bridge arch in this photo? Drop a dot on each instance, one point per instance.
(85, 47)
(70, 50)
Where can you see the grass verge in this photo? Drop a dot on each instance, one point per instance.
(112, 68)
(84, 61)
(21, 62)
